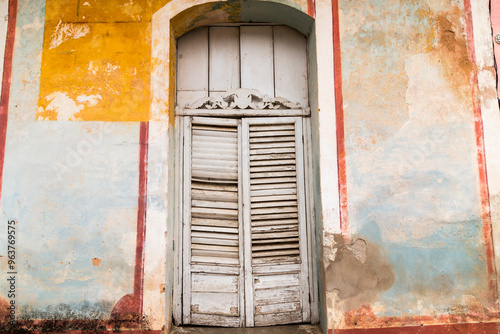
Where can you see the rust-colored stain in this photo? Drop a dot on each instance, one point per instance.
(96, 262)
(424, 41)
(452, 54)
(365, 317)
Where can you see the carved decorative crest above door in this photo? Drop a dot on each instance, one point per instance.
(242, 98)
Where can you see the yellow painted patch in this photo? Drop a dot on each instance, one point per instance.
(62, 10)
(96, 71)
(115, 10)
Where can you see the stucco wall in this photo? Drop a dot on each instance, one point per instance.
(418, 210)
(404, 232)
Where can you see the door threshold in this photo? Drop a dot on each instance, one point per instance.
(283, 329)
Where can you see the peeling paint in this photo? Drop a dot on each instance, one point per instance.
(360, 272)
(65, 31)
(63, 108)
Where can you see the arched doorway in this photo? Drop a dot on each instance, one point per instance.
(242, 110)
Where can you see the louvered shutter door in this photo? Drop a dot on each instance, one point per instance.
(212, 238)
(276, 287)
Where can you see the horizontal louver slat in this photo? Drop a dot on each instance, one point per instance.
(214, 222)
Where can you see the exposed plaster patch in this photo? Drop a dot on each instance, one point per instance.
(486, 80)
(430, 97)
(132, 9)
(66, 31)
(71, 276)
(64, 106)
(441, 5)
(112, 68)
(358, 249)
(92, 68)
(335, 314)
(92, 100)
(359, 273)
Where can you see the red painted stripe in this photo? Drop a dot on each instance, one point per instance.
(311, 8)
(481, 159)
(6, 81)
(483, 328)
(339, 110)
(141, 217)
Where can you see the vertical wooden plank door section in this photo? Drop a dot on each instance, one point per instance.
(290, 65)
(192, 66)
(224, 59)
(270, 59)
(257, 68)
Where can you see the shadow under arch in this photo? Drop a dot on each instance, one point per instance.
(241, 11)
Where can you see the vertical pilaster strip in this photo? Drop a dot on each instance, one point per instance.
(481, 159)
(141, 217)
(339, 109)
(6, 81)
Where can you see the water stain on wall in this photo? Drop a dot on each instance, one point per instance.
(205, 14)
(451, 51)
(359, 273)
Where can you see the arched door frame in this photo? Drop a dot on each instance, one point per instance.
(170, 22)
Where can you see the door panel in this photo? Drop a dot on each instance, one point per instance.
(257, 68)
(212, 238)
(192, 66)
(224, 59)
(290, 65)
(276, 284)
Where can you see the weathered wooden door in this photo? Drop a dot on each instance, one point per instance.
(244, 237)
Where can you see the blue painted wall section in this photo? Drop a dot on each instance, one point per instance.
(72, 187)
(412, 173)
